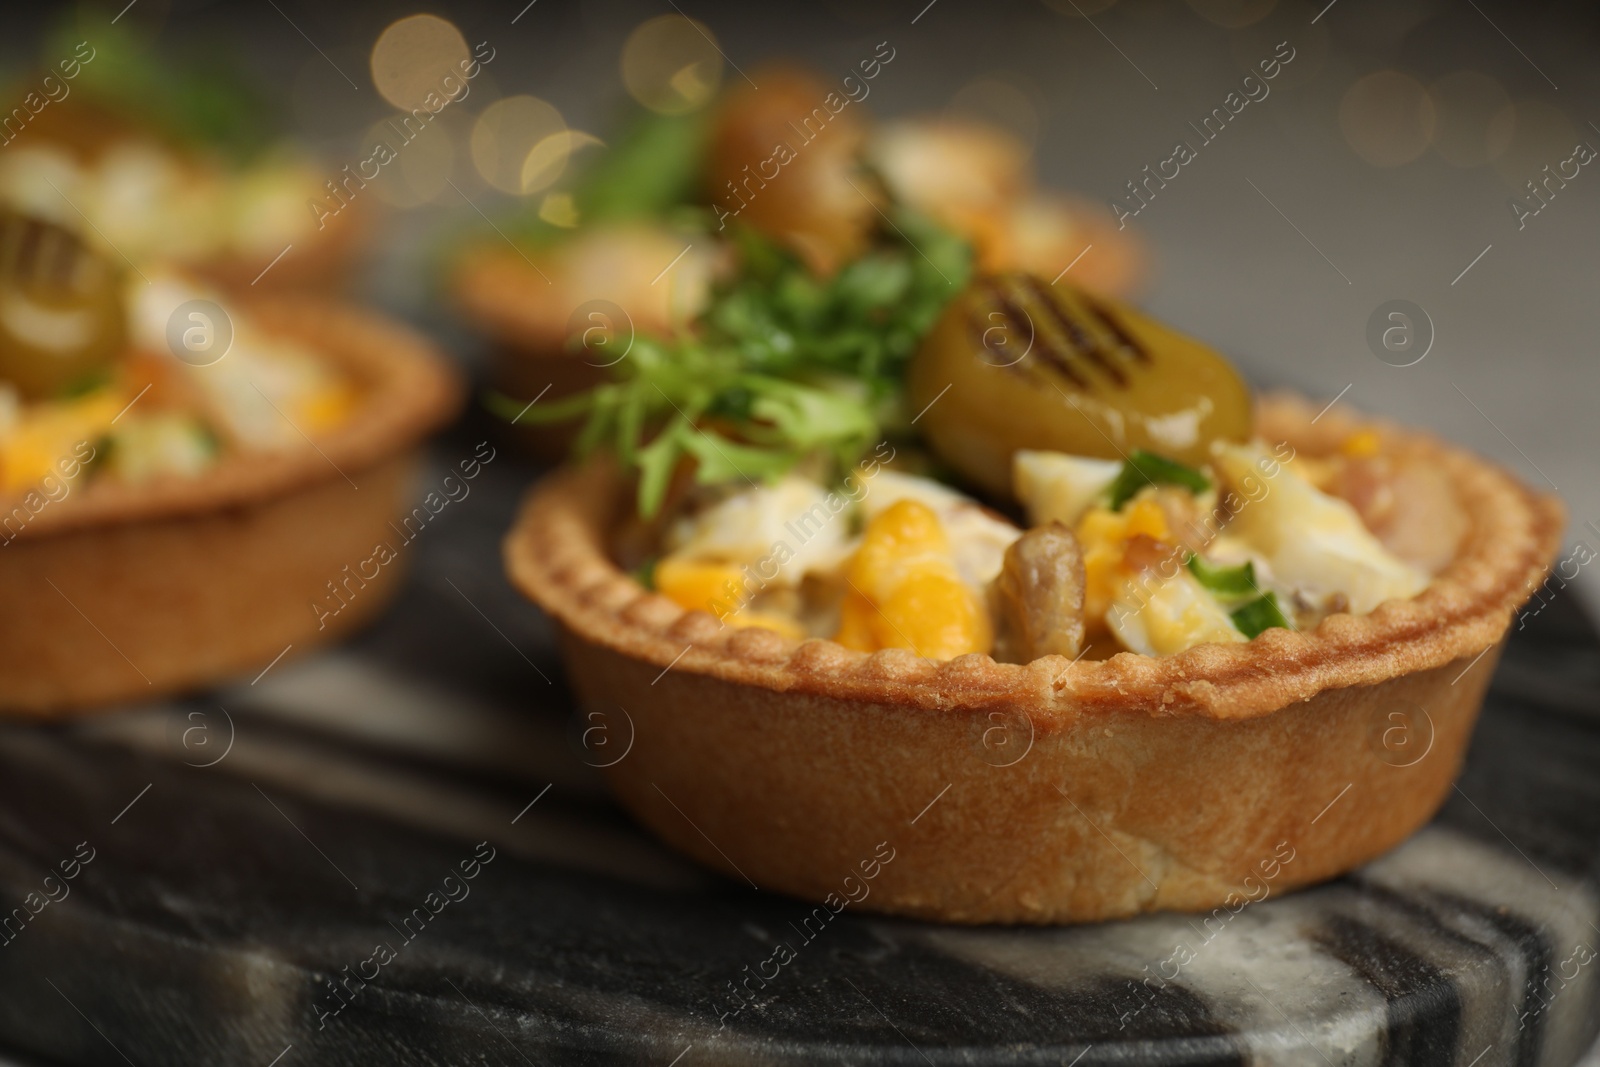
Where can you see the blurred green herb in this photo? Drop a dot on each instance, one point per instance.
(205, 103)
(651, 171)
(92, 381)
(785, 366)
(653, 166)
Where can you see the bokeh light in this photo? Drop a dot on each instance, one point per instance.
(546, 161)
(1387, 117)
(412, 58)
(1233, 14)
(671, 64)
(1475, 120)
(507, 133)
(558, 209)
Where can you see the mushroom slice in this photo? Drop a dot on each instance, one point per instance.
(1037, 599)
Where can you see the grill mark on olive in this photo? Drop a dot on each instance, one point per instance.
(28, 237)
(1055, 358)
(1017, 319)
(1080, 338)
(1125, 340)
(978, 323)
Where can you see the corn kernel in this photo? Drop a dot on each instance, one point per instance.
(699, 585)
(326, 407)
(1103, 535)
(905, 590)
(47, 435)
(1362, 444)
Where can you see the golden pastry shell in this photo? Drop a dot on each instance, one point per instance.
(119, 592)
(1144, 783)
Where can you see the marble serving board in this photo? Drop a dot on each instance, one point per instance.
(395, 853)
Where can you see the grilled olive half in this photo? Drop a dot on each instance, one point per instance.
(62, 318)
(1017, 363)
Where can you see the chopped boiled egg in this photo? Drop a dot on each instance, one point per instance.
(1055, 486)
(262, 391)
(1315, 543)
(978, 537)
(1362, 444)
(266, 206)
(1157, 616)
(904, 590)
(1104, 536)
(146, 446)
(786, 529)
(146, 200)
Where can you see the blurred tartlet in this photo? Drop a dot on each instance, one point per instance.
(168, 522)
(655, 222)
(157, 159)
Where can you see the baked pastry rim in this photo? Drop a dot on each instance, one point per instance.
(556, 554)
(409, 391)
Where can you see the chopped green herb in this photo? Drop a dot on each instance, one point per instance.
(1224, 581)
(785, 366)
(1146, 468)
(1259, 615)
(645, 573)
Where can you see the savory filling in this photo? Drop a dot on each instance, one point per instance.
(133, 378)
(1143, 555)
(875, 428)
(143, 200)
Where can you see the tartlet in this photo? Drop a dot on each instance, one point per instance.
(1054, 791)
(650, 264)
(126, 592)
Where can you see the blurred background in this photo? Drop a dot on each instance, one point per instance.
(1381, 165)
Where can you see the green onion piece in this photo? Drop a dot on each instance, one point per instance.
(1259, 615)
(1146, 468)
(645, 573)
(1224, 581)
